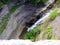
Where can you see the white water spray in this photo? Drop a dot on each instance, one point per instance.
(41, 20)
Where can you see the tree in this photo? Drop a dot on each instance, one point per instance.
(38, 1)
(4, 1)
(35, 1)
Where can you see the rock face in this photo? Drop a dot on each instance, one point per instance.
(18, 19)
(24, 16)
(56, 27)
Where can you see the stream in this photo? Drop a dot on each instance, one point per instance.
(42, 16)
(41, 20)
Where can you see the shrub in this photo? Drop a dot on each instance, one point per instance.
(54, 14)
(29, 36)
(58, 1)
(4, 1)
(38, 1)
(35, 31)
(1, 4)
(35, 1)
(53, 37)
(49, 32)
(44, 1)
(32, 34)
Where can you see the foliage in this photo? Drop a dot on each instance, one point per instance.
(44, 1)
(49, 32)
(58, 1)
(6, 18)
(13, 8)
(4, 1)
(4, 23)
(38, 1)
(54, 14)
(32, 34)
(35, 1)
(1, 4)
(53, 38)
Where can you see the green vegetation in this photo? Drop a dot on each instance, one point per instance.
(6, 18)
(32, 34)
(13, 8)
(54, 14)
(49, 32)
(35, 1)
(38, 1)
(4, 1)
(53, 37)
(4, 22)
(58, 1)
(44, 1)
(1, 4)
(44, 26)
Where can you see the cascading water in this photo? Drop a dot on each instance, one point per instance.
(41, 20)
(44, 16)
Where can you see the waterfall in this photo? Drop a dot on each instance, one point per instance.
(44, 17)
(41, 20)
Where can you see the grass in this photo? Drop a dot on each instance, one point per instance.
(5, 19)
